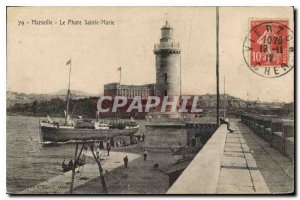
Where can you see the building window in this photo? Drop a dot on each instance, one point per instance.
(166, 76)
(193, 142)
(166, 93)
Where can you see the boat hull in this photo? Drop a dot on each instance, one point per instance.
(54, 134)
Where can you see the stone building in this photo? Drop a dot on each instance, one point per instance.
(129, 91)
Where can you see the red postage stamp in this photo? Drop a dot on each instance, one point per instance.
(268, 48)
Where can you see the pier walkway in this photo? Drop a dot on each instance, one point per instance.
(239, 163)
(239, 172)
(276, 169)
(61, 184)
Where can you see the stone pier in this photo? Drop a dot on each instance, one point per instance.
(241, 162)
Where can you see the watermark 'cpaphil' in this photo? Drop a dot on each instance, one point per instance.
(182, 104)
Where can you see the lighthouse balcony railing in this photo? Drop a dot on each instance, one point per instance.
(166, 45)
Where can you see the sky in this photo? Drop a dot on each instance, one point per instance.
(37, 55)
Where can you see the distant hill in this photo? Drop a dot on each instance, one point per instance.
(13, 98)
(73, 92)
(54, 107)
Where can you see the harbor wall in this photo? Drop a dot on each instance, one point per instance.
(202, 174)
(164, 136)
(164, 133)
(279, 133)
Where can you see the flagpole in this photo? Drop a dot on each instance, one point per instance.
(120, 75)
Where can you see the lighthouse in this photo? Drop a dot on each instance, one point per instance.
(167, 63)
(163, 133)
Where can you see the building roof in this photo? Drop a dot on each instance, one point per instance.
(166, 26)
(110, 86)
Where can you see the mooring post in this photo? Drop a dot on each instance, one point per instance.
(73, 169)
(100, 170)
(80, 152)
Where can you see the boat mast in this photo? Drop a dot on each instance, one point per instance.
(68, 94)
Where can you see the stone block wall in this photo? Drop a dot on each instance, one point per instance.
(289, 147)
(164, 136)
(279, 133)
(202, 174)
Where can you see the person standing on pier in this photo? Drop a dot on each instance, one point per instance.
(143, 137)
(97, 153)
(125, 161)
(108, 150)
(145, 155)
(139, 138)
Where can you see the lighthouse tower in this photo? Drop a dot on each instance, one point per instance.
(163, 133)
(167, 62)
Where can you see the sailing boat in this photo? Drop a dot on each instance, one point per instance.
(83, 129)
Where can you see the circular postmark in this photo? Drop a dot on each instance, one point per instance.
(268, 48)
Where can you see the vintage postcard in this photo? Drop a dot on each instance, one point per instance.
(150, 100)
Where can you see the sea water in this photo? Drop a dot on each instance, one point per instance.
(27, 161)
